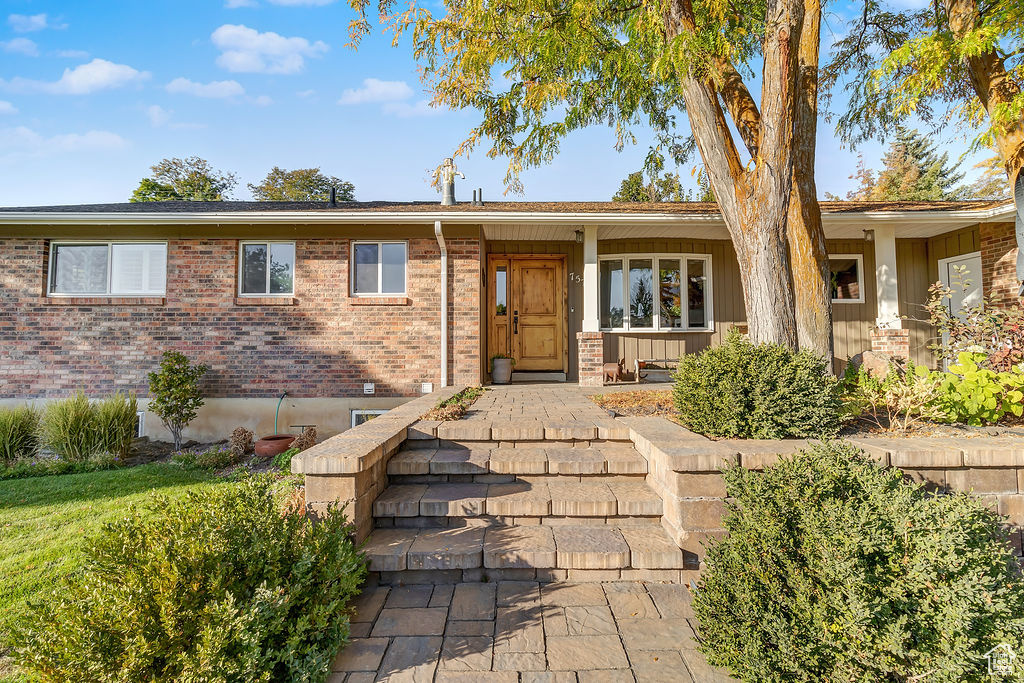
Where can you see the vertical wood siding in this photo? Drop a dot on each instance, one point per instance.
(852, 322)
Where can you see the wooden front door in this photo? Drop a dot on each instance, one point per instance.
(526, 302)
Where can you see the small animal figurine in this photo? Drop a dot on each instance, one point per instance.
(613, 371)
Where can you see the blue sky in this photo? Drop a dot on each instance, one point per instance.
(93, 93)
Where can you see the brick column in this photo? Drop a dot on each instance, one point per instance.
(591, 358)
(892, 342)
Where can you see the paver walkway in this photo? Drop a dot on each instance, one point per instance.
(524, 632)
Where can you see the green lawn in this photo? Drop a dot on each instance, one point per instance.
(44, 522)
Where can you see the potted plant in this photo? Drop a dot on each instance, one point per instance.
(501, 368)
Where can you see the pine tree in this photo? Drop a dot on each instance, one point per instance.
(913, 170)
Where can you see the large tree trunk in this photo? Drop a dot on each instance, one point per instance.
(755, 202)
(808, 253)
(995, 89)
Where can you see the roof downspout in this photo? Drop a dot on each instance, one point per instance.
(444, 303)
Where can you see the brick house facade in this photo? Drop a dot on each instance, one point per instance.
(321, 344)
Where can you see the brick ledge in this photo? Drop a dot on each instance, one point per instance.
(379, 301)
(104, 300)
(266, 301)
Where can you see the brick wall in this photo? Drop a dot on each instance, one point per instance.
(895, 343)
(591, 358)
(325, 343)
(999, 263)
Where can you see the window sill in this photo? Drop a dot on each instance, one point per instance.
(265, 301)
(379, 301)
(105, 300)
(709, 330)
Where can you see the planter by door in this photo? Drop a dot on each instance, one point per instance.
(502, 371)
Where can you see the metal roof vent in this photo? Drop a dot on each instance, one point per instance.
(448, 172)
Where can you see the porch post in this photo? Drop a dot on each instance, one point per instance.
(591, 316)
(590, 341)
(888, 336)
(886, 283)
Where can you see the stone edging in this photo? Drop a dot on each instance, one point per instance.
(683, 468)
(358, 449)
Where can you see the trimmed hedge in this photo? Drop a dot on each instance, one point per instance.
(219, 586)
(757, 391)
(838, 569)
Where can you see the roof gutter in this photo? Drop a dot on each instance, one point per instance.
(1005, 212)
(444, 303)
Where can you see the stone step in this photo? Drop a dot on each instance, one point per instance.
(594, 460)
(522, 547)
(533, 499)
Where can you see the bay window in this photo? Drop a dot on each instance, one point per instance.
(655, 292)
(108, 269)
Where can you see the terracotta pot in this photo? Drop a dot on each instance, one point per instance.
(269, 446)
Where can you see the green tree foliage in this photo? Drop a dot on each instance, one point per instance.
(913, 170)
(218, 586)
(190, 179)
(666, 188)
(991, 181)
(301, 185)
(174, 392)
(838, 569)
(954, 60)
(757, 391)
(538, 71)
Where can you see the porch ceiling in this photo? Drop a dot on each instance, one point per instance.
(907, 225)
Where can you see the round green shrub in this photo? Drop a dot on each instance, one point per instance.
(218, 586)
(838, 569)
(757, 391)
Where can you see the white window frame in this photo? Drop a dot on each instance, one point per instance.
(109, 244)
(367, 411)
(380, 269)
(860, 270)
(241, 268)
(624, 259)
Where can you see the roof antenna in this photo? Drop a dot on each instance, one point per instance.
(334, 196)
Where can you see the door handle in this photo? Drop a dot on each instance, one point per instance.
(515, 322)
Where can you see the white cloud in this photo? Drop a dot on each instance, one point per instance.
(246, 50)
(7, 108)
(21, 46)
(20, 142)
(73, 54)
(158, 116)
(235, 4)
(262, 100)
(213, 89)
(406, 110)
(306, 94)
(376, 90)
(99, 74)
(25, 23)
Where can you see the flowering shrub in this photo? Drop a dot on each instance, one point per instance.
(996, 332)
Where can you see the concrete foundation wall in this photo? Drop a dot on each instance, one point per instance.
(220, 415)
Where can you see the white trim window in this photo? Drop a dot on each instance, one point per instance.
(266, 268)
(379, 268)
(656, 292)
(361, 416)
(108, 269)
(846, 278)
